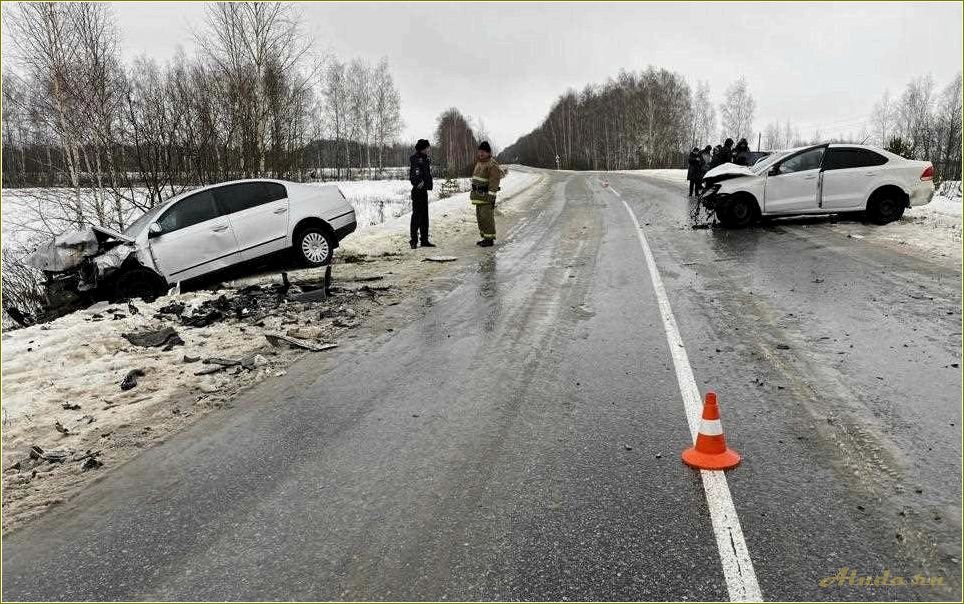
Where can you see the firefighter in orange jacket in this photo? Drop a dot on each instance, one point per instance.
(485, 184)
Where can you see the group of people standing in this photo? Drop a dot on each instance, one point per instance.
(703, 160)
(486, 176)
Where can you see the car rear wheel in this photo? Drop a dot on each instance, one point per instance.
(139, 283)
(885, 208)
(314, 247)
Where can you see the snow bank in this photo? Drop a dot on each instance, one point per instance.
(667, 174)
(61, 383)
(936, 225)
(933, 229)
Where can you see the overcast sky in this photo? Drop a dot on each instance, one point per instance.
(816, 64)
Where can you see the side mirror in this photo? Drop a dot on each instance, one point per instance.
(154, 230)
(774, 170)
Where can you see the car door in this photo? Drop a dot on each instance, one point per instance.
(194, 238)
(258, 212)
(792, 185)
(849, 174)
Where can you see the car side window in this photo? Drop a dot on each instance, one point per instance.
(239, 197)
(245, 195)
(189, 211)
(808, 160)
(840, 158)
(274, 191)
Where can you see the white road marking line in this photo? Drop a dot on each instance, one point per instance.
(741, 582)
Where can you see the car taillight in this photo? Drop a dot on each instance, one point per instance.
(928, 173)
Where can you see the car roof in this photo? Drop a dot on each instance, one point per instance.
(837, 146)
(190, 192)
(856, 146)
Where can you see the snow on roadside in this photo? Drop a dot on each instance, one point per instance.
(934, 228)
(667, 174)
(61, 386)
(69, 371)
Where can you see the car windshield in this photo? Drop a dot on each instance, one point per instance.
(765, 162)
(141, 223)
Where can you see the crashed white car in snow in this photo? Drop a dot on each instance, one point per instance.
(821, 179)
(197, 233)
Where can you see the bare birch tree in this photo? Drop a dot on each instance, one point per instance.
(737, 110)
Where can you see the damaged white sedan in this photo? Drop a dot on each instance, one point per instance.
(194, 234)
(821, 179)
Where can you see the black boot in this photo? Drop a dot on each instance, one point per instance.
(485, 243)
(427, 243)
(414, 244)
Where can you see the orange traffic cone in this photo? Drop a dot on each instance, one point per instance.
(710, 452)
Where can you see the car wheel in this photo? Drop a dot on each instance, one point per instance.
(885, 208)
(139, 283)
(736, 213)
(314, 247)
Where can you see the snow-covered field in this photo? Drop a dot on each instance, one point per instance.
(667, 174)
(69, 371)
(376, 201)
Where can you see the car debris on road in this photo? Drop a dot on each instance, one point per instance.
(165, 337)
(130, 380)
(37, 456)
(441, 259)
(277, 339)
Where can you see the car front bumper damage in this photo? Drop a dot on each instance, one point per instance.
(78, 263)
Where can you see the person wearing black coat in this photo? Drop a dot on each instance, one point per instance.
(420, 175)
(741, 153)
(717, 157)
(706, 157)
(694, 171)
(726, 153)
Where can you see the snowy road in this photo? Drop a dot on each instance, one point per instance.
(513, 431)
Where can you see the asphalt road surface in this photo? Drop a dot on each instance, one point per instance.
(517, 432)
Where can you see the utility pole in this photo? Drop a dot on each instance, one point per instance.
(759, 136)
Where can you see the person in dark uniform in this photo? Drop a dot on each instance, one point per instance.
(694, 171)
(420, 175)
(741, 153)
(726, 153)
(717, 157)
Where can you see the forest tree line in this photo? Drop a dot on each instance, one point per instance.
(635, 120)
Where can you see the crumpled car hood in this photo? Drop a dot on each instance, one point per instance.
(67, 251)
(724, 171)
(105, 233)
